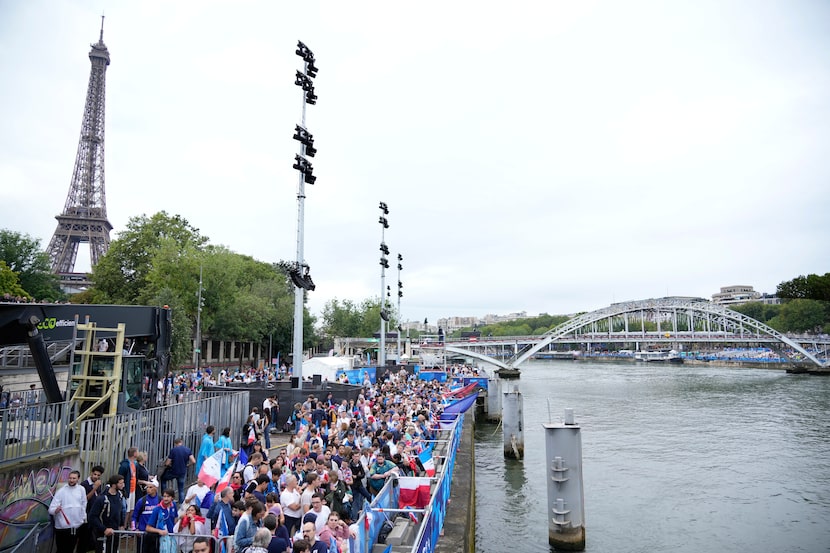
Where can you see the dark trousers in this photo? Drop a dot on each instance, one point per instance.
(292, 524)
(85, 541)
(66, 539)
(105, 544)
(149, 543)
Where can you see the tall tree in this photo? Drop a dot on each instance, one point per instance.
(122, 274)
(810, 287)
(24, 256)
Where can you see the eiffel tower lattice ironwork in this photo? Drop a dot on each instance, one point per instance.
(84, 217)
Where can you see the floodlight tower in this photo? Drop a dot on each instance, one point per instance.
(384, 264)
(299, 273)
(400, 295)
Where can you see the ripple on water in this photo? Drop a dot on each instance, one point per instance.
(684, 459)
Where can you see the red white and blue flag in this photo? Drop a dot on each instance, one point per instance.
(426, 460)
(211, 471)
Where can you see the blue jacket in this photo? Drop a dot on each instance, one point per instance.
(243, 536)
(221, 508)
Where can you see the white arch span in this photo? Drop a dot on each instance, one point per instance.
(691, 307)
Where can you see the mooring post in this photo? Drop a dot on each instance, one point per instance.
(566, 510)
(512, 424)
(494, 398)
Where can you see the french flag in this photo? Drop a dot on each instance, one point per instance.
(225, 481)
(414, 492)
(426, 460)
(211, 470)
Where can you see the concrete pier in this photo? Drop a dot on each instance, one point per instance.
(566, 510)
(513, 424)
(494, 398)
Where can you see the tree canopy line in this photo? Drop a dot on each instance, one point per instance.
(156, 260)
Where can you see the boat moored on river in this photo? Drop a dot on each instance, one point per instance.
(670, 356)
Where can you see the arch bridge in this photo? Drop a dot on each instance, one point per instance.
(677, 320)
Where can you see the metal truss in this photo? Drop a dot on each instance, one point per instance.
(84, 217)
(702, 319)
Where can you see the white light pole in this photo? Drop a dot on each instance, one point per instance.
(198, 348)
(302, 165)
(400, 295)
(384, 264)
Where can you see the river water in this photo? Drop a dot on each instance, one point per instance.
(675, 458)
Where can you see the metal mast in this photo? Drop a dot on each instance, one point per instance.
(299, 273)
(84, 217)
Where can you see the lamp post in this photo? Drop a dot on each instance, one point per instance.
(198, 348)
(400, 295)
(299, 273)
(384, 264)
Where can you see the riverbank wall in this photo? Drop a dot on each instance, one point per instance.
(459, 534)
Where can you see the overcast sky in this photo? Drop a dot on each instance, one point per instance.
(538, 156)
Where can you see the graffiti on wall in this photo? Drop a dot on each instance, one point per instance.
(25, 495)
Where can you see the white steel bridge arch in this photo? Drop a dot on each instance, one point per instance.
(713, 318)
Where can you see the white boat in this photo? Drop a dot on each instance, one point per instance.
(670, 356)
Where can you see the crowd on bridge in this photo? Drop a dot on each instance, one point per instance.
(305, 495)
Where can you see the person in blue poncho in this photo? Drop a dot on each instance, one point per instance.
(224, 444)
(207, 448)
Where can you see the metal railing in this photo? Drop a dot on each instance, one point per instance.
(34, 430)
(29, 543)
(105, 441)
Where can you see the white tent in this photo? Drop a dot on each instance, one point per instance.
(326, 367)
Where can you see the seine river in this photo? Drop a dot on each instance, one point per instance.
(676, 458)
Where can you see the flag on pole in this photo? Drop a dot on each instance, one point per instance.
(251, 435)
(426, 460)
(225, 481)
(220, 532)
(211, 471)
(243, 458)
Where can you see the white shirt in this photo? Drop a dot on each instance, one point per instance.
(322, 518)
(289, 498)
(199, 492)
(72, 502)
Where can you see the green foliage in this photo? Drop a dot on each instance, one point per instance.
(123, 275)
(347, 318)
(801, 316)
(532, 326)
(9, 283)
(157, 260)
(24, 256)
(758, 310)
(812, 287)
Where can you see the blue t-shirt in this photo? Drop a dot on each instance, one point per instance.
(162, 518)
(179, 456)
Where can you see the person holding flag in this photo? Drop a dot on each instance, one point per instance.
(224, 445)
(207, 448)
(69, 509)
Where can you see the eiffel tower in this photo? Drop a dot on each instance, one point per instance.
(84, 217)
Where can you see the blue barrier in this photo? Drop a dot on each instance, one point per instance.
(440, 376)
(368, 527)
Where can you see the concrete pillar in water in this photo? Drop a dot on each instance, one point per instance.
(494, 398)
(512, 424)
(566, 510)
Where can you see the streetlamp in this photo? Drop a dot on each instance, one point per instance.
(400, 295)
(299, 272)
(384, 264)
(198, 349)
